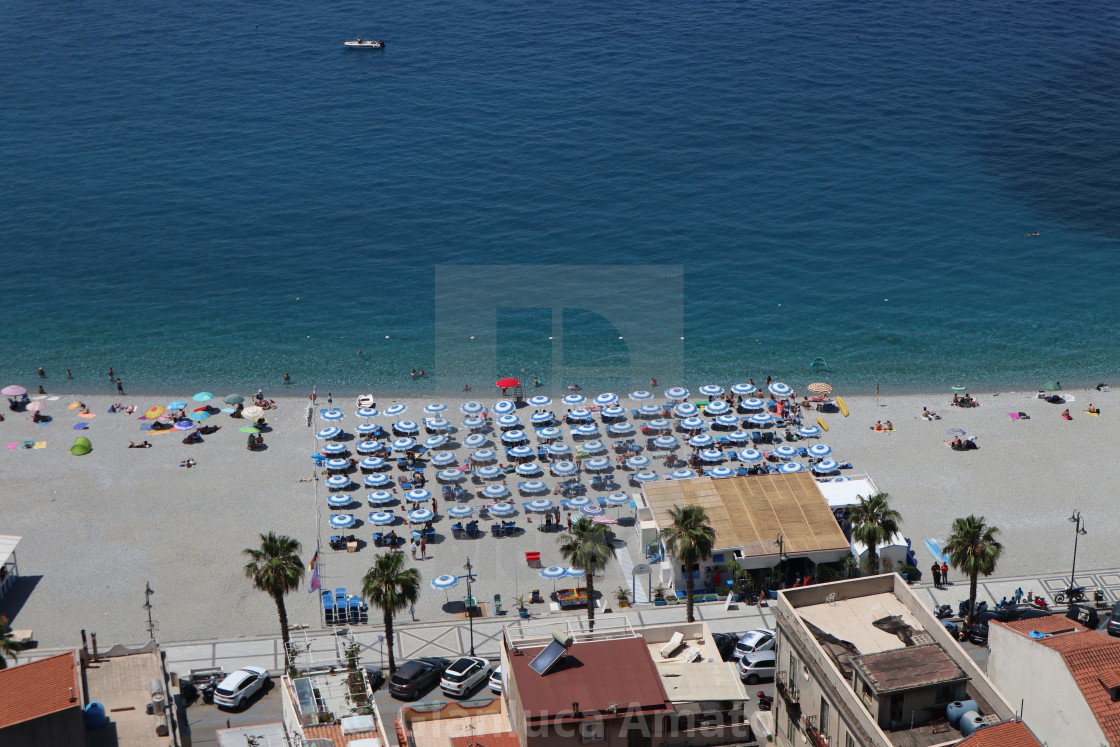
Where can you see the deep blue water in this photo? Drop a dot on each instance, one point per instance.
(209, 195)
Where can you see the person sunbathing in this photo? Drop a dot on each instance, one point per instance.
(131, 409)
(888, 426)
(1066, 415)
(1093, 410)
(189, 463)
(141, 445)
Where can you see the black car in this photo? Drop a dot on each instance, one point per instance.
(725, 644)
(979, 633)
(1114, 621)
(416, 677)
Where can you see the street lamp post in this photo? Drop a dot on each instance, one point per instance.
(470, 598)
(1079, 529)
(148, 606)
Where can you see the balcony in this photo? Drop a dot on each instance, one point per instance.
(815, 737)
(786, 689)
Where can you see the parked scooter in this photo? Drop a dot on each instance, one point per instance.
(208, 689)
(765, 702)
(943, 611)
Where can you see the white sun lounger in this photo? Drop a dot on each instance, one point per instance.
(674, 643)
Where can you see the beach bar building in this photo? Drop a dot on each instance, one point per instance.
(759, 520)
(9, 566)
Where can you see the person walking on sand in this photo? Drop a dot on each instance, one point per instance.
(936, 571)
(412, 547)
(423, 548)
(120, 387)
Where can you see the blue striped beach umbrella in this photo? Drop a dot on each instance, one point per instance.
(420, 516)
(489, 472)
(437, 424)
(761, 418)
(790, 467)
(646, 476)
(597, 464)
(435, 408)
(676, 393)
(472, 422)
(532, 487)
(503, 406)
(606, 398)
(711, 390)
(701, 441)
(334, 448)
(338, 482)
(721, 472)
(744, 389)
(956, 431)
(502, 509)
(579, 501)
(750, 455)
(640, 395)
(752, 403)
(203, 397)
(820, 450)
(785, 451)
(809, 431)
(328, 433)
(574, 399)
(587, 430)
(333, 414)
(553, 572)
(509, 421)
(176, 405)
(682, 474)
(559, 449)
(366, 428)
(666, 442)
(692, 423)
(614, 411)
(495, 491)
(336, 465)
(737, 436)
(482, 456)
(712, 455)
(778, 389)
(339, 500)
(540, 401)
(417, 495)
(825, 467)
(637, 462)
(450, 475)
(593, 510)
(380, 498)
(685, 410)
(513, 437)
(719, 407)
(839, 479)
(728, 420)
(650, 410)
(444, 582)
(618, 499)
(474, 440)
(368, 447)
(367, 412)
(406, 426)
(659, 424)
(404, 444)
(435, 442)
(377, 480)
(528, 469)
(620, 429)
(574, 572)
(184, 425)
(581, 414)
(460, 512)
(541, 418)
(519, 452)
(564, 468)
(342, 521)
(593, 447)
(471, 408)
(395, 410)
(548, 433)
(444, 458)
(382, 518)
(540, 504)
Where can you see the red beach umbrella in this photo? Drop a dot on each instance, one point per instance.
(507, 383)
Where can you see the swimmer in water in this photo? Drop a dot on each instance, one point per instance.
(1033, 234)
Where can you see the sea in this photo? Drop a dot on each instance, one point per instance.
(896, 196)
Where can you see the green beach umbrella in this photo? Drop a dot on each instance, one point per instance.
(81, 446)
(233, 399)
(1052, 386)
(249, 429)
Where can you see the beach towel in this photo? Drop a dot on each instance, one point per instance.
(12, 445)
(1094, 414)
(1013, 415)
(40, 445)
(73, 405)
(52, 399)
(45, 421)
(81, 426)
(28, 444)
(87, 415)
(145, 426)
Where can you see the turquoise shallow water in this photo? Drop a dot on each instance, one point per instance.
(176, 178)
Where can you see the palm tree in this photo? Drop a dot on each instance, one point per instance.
(391, 587)
(587, 546)
(9, 646)
(874, 522)
(689, 538)
(276, 569)
(973, 549)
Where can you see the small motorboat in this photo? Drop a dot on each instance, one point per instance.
(361, 43)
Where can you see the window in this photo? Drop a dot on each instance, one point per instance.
(792, 666)
(591, 731)
(824, 716)
(849, 741)
(791, 728)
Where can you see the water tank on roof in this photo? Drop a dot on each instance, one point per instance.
(1036, 634)
(971, 722)
(955, 710)
(94, 715)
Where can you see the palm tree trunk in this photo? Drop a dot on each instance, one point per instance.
(971, 597)
(590, 600)
(873, 560)
(689, 585)
(283, 613)
(389, 642)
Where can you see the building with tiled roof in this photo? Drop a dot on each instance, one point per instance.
(1067, 677)
(41, 702)
(1007, 734)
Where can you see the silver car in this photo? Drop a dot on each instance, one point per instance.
(754, 640)
(756, 666)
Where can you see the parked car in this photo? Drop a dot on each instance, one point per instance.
(725, 644)
(374, 676)
(496, 681)
(754, 640)
(415, 678)
(979, 632)
(1114, 621)
(755, 666)
(461, 677)
(236, 689)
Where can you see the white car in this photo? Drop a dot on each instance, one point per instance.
(238, 687)
(754, 640)
(496, 681)
(461, 677)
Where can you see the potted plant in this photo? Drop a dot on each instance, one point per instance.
(522, 609)
(622, 596)
(659, 593)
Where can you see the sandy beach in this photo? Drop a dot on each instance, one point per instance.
(97, 528)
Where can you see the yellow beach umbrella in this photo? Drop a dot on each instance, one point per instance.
(820, 388)
(154, 412)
